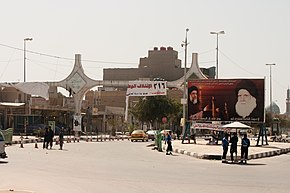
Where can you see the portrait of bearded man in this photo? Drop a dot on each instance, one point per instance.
(194, 106)
(247, 104)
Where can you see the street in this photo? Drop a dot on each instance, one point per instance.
(123, 166)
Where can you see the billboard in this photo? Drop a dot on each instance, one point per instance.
(144, 88)
(226, 100)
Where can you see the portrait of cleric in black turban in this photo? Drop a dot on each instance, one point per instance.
(247, 106)
(194, 106)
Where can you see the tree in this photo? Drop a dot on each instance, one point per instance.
(152, 109)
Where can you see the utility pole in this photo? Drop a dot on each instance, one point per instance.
(184, 101)
(217, 50)
(27, 104)
(271, 101)
(24, 62)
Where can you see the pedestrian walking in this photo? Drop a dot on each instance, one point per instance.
(45, 140)
(234, 146)
(60, 137)
(245, 149)
(225, 144)
(50, 137)
(168, 140)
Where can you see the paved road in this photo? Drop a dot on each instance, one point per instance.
(122, 166)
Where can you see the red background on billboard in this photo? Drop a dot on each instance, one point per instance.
(222, 93)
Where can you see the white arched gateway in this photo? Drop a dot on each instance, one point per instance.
(78, 84)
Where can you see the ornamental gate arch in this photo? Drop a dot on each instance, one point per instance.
(78, 83)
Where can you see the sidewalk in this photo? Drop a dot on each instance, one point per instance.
(199, 150)
(203, 151)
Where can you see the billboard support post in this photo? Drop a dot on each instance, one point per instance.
(262, 134)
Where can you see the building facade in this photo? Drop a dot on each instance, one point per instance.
(161, 63)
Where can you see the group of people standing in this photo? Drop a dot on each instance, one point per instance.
(245, 144)
(48, 138)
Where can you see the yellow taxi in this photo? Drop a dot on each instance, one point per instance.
(138, 135)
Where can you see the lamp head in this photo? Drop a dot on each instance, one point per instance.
(28, 39)
(216, 33)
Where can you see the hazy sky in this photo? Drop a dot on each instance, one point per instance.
(116, 33)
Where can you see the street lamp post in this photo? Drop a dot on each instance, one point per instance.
(217, 50)
(27, 106)
(24, 50)
(184, 101)
(271, 101)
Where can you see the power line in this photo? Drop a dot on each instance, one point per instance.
(237, 64)
(45, 67)
(207, 51)
(7, 64)
(65, 58)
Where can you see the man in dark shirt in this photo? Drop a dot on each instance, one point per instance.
(234, 146)
(245, 149)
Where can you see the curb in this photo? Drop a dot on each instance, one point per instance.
(196, 155)
(219, 157)
(269, 154)
(97, 139)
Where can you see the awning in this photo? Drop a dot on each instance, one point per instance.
(34, 88)
(236, 125)
(12, 104)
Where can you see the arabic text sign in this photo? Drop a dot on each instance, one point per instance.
(146, 88)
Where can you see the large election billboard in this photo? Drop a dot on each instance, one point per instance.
(226, 100)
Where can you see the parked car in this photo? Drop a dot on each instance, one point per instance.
(36, 130)
(286, 139)
(2, 146)
(138, 135)
(278, 138)
(151, 134)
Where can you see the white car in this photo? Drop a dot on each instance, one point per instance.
(2, 146)
(151, 134)
(286, 139)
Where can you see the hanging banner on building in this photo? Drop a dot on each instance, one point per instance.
(52, 125)
(146, 88)
(77, 123)
(226, 100)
